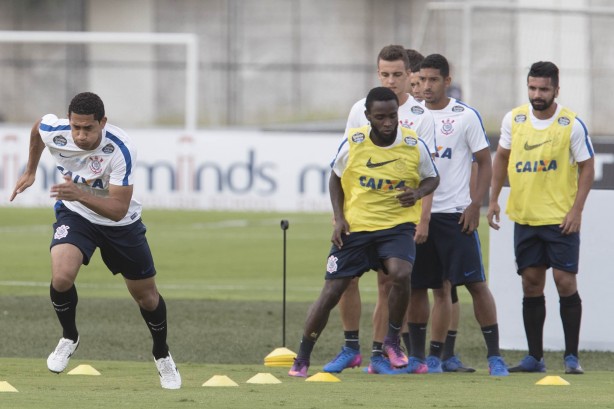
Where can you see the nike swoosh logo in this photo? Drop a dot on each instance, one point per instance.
(531, 147)
(378, 164)
(65, 156)
(468, 273)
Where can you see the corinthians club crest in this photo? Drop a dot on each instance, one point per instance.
(96, 164)
(447, 127)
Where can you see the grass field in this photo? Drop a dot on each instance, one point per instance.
(221, 274)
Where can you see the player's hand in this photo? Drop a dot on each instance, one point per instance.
(341, 228)
(422, 233)
(470, 219)
(25, 181)
(408, 196)
(493, 215)
(66, 191)
(571, 222)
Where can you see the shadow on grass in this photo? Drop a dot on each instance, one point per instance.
(217, 332)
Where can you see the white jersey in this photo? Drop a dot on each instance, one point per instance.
(460, 133)
(412, 115)
(112, 162)
(580, 144)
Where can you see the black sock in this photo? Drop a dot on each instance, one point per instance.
(156, 322)
(436, 349)
(491, 336)
(304, 351)
(571, 315)
(417, 337)
(352, 340)
(534, 316)
(65, 306)
(393, 330)
(448, 347)
(407, 342)
(377, 349)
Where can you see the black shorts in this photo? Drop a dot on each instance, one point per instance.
(447, 254)
(546, 246)
(364, 251)
(124, 249)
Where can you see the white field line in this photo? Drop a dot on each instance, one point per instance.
(205, 287)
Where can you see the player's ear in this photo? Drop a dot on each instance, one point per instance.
(103, 121)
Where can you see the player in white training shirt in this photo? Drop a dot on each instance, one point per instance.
(451, 254)
(95, 209)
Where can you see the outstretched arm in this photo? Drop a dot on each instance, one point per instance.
(37, 146)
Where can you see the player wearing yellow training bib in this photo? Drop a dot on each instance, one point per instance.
(379, 174)
(547, 155)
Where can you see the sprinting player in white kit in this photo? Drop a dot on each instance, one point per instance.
(393, 70)
(95, 209)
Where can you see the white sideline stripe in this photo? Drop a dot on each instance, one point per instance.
(21, 229)
(165, 286)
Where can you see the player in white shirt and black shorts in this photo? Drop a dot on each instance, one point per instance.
(452, 254)
(95, 209)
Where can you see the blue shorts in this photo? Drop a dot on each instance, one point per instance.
(448, 254)
(364, 251)
(546, 246)
(124, 249)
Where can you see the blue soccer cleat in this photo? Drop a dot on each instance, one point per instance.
(529, 364)
(497, 366)
(572, 365)
(347, 358)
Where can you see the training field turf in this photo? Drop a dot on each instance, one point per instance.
(221, 274)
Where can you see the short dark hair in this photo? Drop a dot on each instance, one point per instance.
(87, 103)
(415, 58)
(380, 94)
(545, 69)
(438, 62)
(393, 53)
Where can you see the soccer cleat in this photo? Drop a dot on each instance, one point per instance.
(381, 365)
(529, 364)
(169, 374)
(434, 364)
(58, 359)
(497, 366)
(417, 366)
(454, 364)
(299, 368)
(572, 365)
(392, 349)
(347, 358)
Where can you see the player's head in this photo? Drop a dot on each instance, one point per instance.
(415, 59)
(87, 103)
(434, 78)
(382, 106)
(393, 68)
(543, 85)
(87, 119)
(413, 85)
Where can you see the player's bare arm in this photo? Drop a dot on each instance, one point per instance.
(341, 226)
(422, 229)
(37, 146)
(499, 173)
(114, 206)
(470, 219)
(410, 196)
(573, 219)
